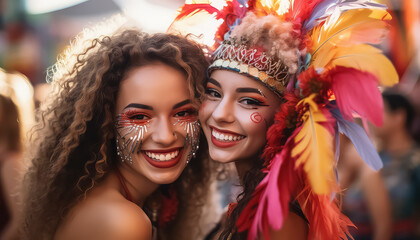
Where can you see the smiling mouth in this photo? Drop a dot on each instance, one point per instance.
(224, 139)
(163, 158)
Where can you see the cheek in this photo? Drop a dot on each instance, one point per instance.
(256, 117)
(253, 123)
(205, 110)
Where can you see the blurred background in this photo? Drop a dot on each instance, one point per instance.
(34, 32)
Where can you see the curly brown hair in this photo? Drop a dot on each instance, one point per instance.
(75, 147)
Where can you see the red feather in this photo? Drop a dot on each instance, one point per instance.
(302, 10)
(190, 9)
(357, 92)
(325, 218)
(284, 124)
(269, 206)
(169, 208)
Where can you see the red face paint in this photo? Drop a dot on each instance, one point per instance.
(203, 105)
(130, 118)
(256, 117)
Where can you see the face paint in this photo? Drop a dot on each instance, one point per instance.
(157, 126)
(136, 129)
(236, 116)
(256, 117)
(193, 136)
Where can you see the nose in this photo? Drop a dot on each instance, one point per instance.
(163, 132)
(224, 112)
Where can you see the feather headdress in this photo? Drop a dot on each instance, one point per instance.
(318, 56)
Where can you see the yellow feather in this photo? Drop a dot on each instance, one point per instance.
(314, 148)
(352, 27)
(275, 7)
(362, 57)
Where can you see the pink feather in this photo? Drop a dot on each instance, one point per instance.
(270, 205)
(357, 92)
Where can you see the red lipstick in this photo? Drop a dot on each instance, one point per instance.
(163, 164)
(223, 144)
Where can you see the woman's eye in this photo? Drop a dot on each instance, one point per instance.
(251, 101)
(186, 113)
(212, 92)
(139, 117)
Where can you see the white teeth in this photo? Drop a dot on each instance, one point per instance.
(162, 157)
(225, 137)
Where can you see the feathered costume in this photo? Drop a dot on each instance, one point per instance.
(334, 78)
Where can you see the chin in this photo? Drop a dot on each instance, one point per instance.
(165, 178)
(221, 157)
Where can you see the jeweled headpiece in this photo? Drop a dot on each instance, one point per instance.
(319, 55)
(262, 47)
(251, 62)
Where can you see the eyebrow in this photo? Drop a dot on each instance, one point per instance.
(180, 104)
(249, 90)
(138, 105)
(215, 82)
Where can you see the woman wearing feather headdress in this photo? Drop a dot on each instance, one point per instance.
(286, 78)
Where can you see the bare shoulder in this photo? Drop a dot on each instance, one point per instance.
(105, 217)
(294, 227)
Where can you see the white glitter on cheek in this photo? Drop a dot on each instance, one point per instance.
(127, 147)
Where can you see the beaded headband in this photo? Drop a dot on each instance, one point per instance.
(251, 62)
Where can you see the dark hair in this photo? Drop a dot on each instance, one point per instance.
(397, 102)
(10, 129)
(74, 140)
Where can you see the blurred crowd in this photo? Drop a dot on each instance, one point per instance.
(382, 205)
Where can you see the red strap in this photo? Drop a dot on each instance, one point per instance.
(124, 186)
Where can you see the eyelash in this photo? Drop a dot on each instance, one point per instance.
(254, 102)
(132, 115)
(211, 92)
(191, 113)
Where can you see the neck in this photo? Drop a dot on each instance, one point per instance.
(243, 166)
(399, 143)
(138, 185)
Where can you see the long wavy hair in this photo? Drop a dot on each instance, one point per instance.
(74, 139)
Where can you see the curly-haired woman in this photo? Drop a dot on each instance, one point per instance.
(115, 149)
